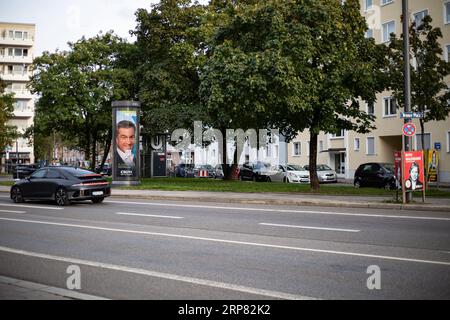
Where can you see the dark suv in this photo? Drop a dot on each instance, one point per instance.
(378, 175)
(22, 171)
(254, 172)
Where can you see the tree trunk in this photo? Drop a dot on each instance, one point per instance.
(227, 170)
(94, 151)
(314, 180)
(107, 147)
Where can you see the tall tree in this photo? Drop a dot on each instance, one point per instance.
(76, 89)
(293, 64)
(7, 133)
(430, 93)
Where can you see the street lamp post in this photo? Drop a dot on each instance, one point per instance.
(407, 77)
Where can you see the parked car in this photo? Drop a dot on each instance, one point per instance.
(61, 184)
(21, 171)
(288, 173)
(255, 172)
(105, 171)
(184, 170)
(374, 174)
(324, 173)
(204, 171)
(218, 172)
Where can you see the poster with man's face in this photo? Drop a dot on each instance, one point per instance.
(126, 143)
(414, 174)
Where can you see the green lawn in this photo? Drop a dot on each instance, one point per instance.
(183, 184)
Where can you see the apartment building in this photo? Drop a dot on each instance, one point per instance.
(346, 150)
(16, 56)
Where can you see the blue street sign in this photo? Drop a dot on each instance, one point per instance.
(437, 145)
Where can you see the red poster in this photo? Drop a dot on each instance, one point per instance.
(414, 174)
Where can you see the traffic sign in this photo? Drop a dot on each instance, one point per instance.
(409, 129)
(437, 145)
(411, 115)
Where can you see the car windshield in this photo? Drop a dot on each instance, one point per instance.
(294, 167)
(77, 172)
(389, 167)
(323, 167)
(262, 165)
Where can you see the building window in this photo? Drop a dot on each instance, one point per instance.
(418, 17)
(383, 2)
(389, 107)
(297, 148)
(368, 4)
(370, 144)
(448, 141)
(447, 52)
(339, 134)
(356, 147)
(369, 33)
(447, 12)
(388, 28)
(320, 145)
(371, 108)
(427, 141)
(308, 147)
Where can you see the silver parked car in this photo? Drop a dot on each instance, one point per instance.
(288, 173)
(324, 173)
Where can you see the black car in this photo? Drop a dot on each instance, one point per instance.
(106, 170)
(21, 171)
(63, 185)
(184, 170)
(254, 172)
(378, 175)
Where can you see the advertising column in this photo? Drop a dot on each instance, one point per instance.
(126, 153)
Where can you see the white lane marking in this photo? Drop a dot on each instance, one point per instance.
(168, 276)
(11, 211)
(147, 215)
(307, 227)
(232, 242)
(280, 210)
(27, 206)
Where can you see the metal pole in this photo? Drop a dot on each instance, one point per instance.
(17, 159)
(407, 76)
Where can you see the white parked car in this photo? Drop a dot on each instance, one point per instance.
(325, 173)
(288, 173)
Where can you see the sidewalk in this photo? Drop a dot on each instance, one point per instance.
(15, 289)
(376, 202)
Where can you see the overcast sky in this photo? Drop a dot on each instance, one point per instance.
(60, 21)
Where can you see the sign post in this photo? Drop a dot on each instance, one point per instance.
(126, 147)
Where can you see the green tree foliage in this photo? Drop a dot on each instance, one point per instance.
(430, 93)
(7, 133)
(292, 64)
(169, 55)
(76, 89)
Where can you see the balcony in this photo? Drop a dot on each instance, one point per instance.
(20, 94)
(17, 41)
(23, 113)
(15, 77)
(16, 59)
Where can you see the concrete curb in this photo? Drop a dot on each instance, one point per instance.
(272, 201)
(314, 203)
(36, 287)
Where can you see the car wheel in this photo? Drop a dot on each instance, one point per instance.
(98, 200)
(357, 184)
(16, 195)
(61, 197)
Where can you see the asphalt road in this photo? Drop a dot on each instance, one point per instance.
(137, 249)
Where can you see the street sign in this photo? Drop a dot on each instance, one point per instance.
(437, 145)
(409, 129)
(411, 115)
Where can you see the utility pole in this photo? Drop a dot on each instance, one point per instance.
(407, 78)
